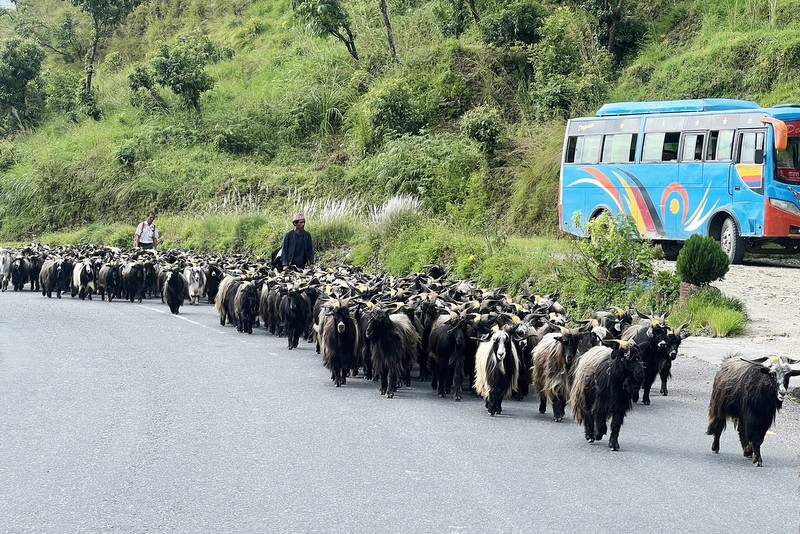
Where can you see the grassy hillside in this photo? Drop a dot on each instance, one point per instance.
(469, 126)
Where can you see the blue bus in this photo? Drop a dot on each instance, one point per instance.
(720, 167)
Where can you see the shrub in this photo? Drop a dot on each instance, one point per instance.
(391, 112)
(614, 248)
(518, 23)
(701, 261)
(483, 125)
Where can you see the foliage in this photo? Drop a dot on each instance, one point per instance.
(20, 67)
(701, 261)
(437, 169)
(106, 15)
(614, 248)
(572, 70)
(516, 24)
(484, 125)
(327, 17)
(667, 284)
(452, 16)
(390, 111)
(181, 67)
(62, 88)
(712, 314)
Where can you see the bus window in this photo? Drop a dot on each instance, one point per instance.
(619, 148)
(751, 144)
(653, 146)
(583, 149)
(789, 162)
(661, 146)
(692, 147)
(720, 145)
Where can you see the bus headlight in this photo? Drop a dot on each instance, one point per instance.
(785, 205)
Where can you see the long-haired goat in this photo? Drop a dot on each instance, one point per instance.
(601, 390)
(496, 370)
(553, 358)
(447, 348)
(749, 391)
(659, 345)
(338, 339)
(392, 343)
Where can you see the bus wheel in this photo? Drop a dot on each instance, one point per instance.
(671, 249)
(731, 241)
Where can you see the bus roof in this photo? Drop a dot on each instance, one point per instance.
(675, 106)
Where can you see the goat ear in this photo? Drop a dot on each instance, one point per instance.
(485, 337)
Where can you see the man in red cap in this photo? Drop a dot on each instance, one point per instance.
(297, 249)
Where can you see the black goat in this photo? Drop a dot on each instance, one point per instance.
(392, 343)
(338, 339)
(749, 391)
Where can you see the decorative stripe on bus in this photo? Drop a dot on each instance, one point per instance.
(750, 174)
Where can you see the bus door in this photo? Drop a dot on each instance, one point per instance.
(718, 169)
(746, 183)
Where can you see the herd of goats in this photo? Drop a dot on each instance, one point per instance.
(452, 330)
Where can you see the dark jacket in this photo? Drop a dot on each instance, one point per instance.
(294, 245)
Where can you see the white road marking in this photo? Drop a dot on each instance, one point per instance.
(216, 330)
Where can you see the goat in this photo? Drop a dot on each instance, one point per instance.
(603, 383)
(553, 358)
(496, 370)
(173, 289)
(5, 269)
(245, 306)
(658, 345)
(109, 280)
(338, 338)
(392, 343)
(447, 354)
(223, 303)
(294, 314)
(214, 277)
(749, 391)
(83, 280)
(196, 283)
(133, 280)
(20, 272)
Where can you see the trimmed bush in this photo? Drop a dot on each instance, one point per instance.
(701, 261)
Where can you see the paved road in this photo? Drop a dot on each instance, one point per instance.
(123, 418)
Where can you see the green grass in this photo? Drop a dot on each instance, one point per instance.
(713, 314)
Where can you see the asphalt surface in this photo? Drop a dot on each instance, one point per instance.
(123, 418)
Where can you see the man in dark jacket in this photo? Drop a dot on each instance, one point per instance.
(297, 249)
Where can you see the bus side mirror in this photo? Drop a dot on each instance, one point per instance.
(759, 156)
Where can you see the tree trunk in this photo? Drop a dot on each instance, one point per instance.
(389, 32)
(616, 15)
(474, 11)
(686, 291)
(90, 57)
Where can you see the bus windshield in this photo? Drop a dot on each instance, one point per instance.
(789, 162)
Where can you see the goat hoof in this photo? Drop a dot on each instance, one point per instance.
(557, 419)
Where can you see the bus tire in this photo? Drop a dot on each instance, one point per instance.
(671, 249)
(731, 241)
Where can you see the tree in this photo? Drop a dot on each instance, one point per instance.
(389, 32)
(20, 65)
(327, 17)
(182, 68)
(64, 38)
(106, 15)
(474, 11)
